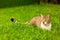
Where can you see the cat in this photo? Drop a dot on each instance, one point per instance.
(41, 22)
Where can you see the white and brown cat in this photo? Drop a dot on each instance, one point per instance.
(41, 22)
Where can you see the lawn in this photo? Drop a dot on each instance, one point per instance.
(11, 31)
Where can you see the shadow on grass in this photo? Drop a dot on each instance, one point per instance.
(14, 3)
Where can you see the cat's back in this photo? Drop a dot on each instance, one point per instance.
(37, 18)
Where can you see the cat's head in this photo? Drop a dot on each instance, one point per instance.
(45, 19)
(45, 23)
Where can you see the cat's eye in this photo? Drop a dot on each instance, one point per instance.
(43, 23)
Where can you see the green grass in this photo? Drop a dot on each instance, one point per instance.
(11, 31)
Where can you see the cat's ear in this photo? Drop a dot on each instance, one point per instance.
(41, 15)
(48, 16)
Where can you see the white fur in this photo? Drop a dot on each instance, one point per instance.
(46, 27)
(45, 22)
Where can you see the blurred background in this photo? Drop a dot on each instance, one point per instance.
(12, 3)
